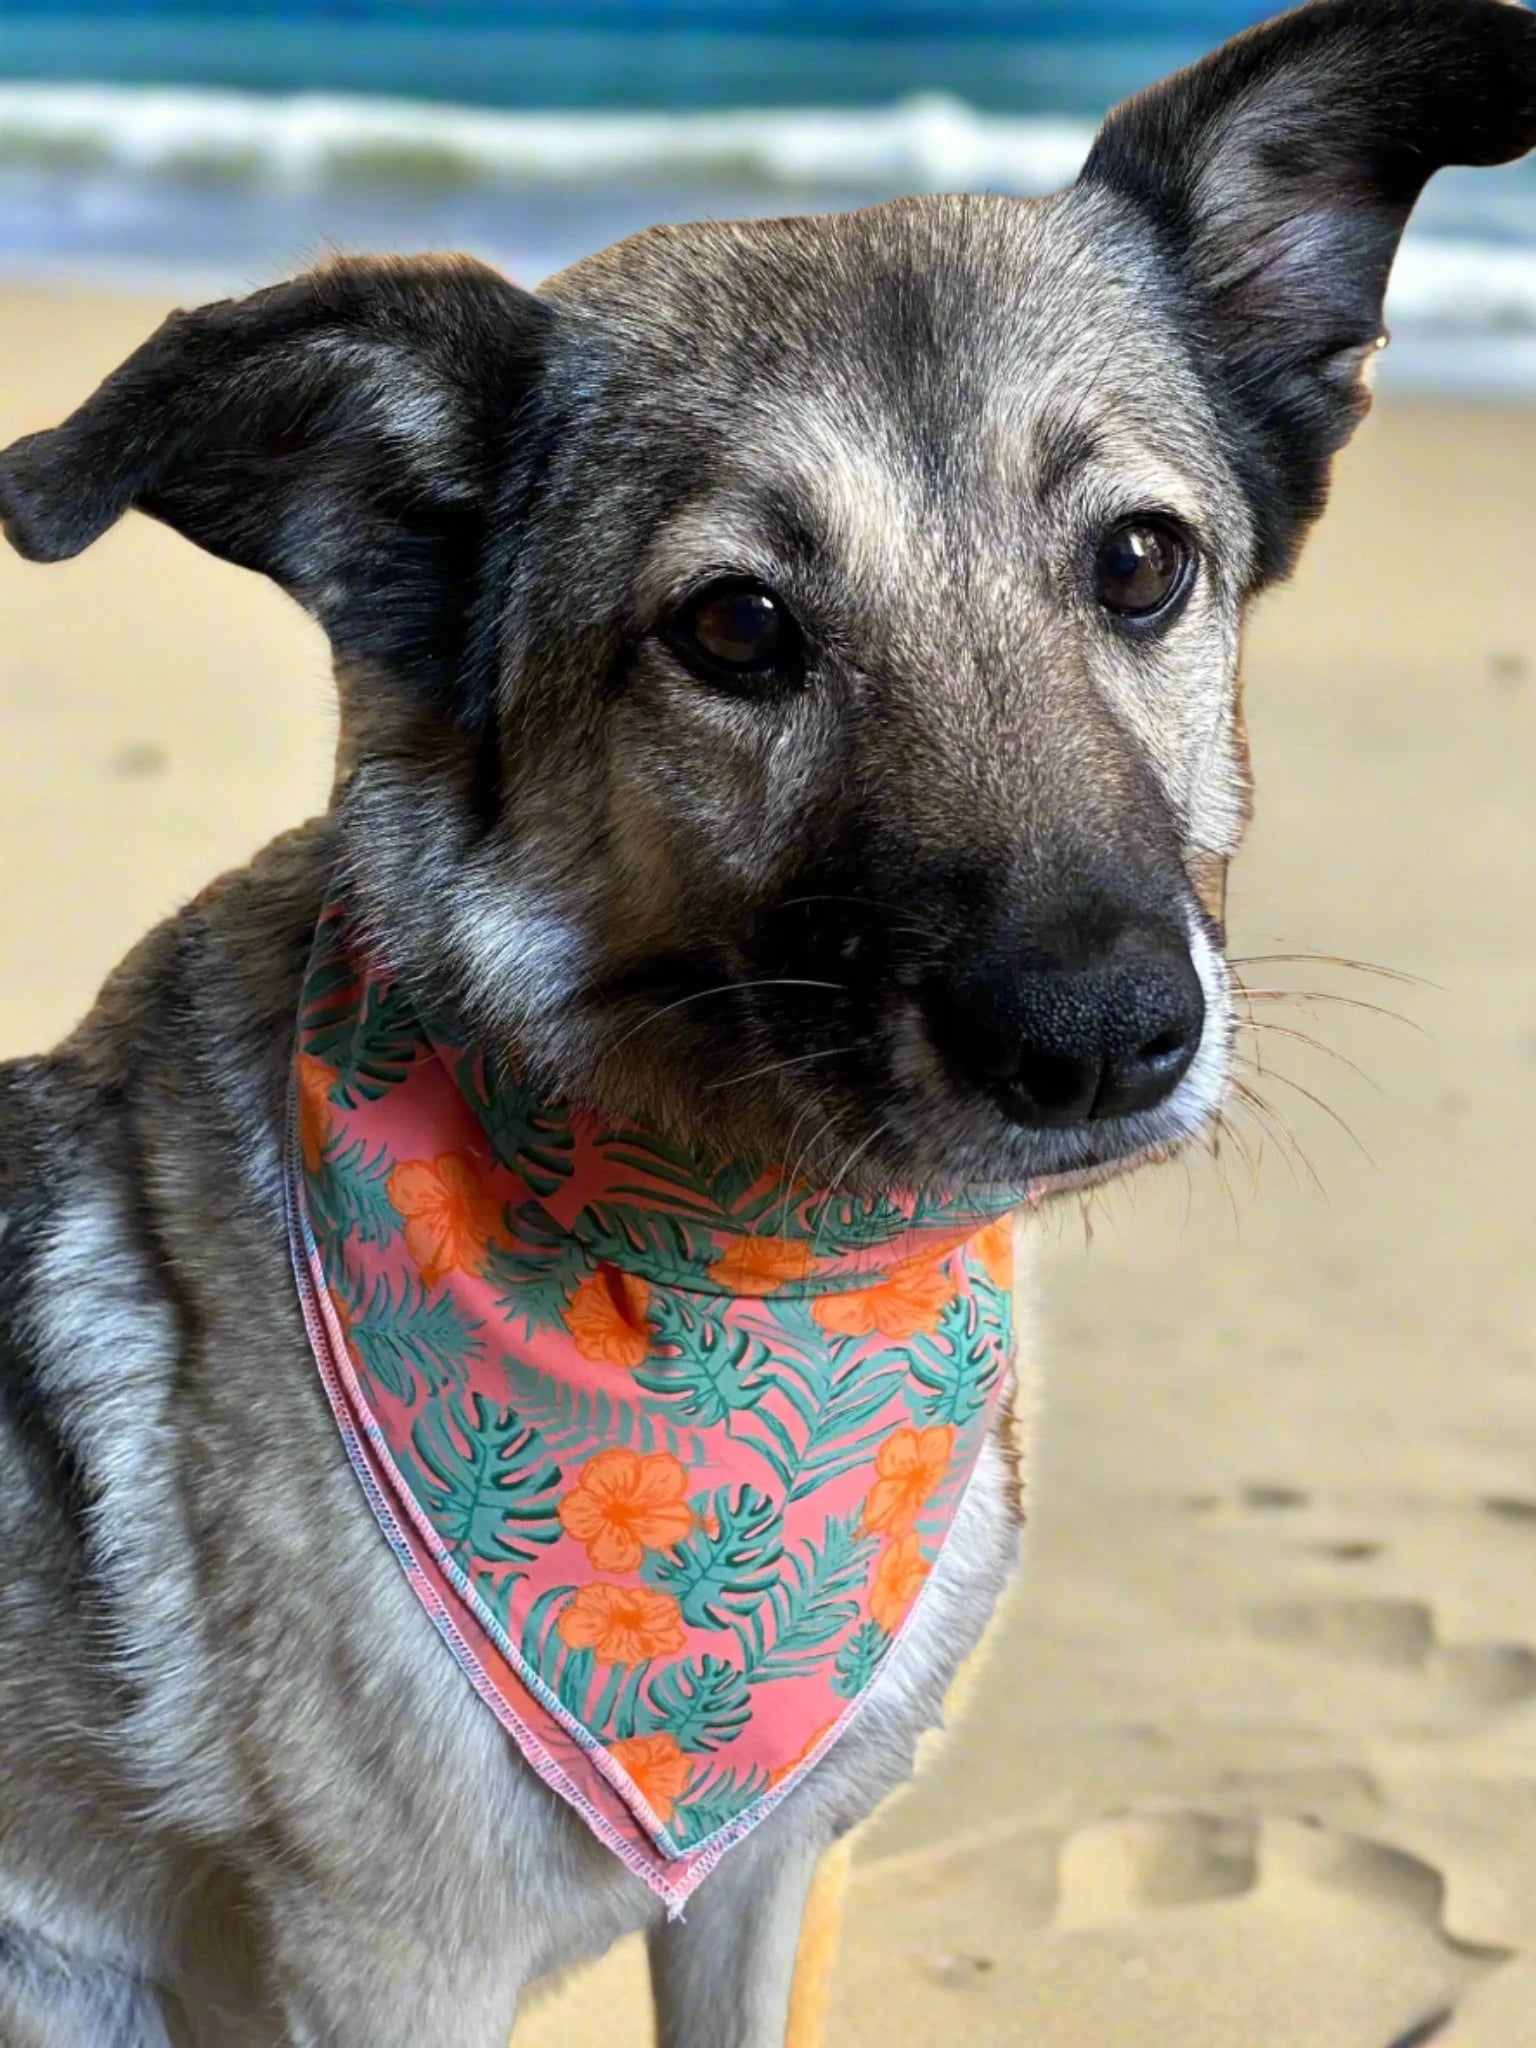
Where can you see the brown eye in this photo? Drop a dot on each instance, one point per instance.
(735, 631)
(1141, 567)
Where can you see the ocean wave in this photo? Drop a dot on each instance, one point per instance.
(1470, 287)
(227, 182)
(312, 140)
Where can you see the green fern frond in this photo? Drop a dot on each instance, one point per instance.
(838, 1224)
(494, 1592)
(814, 1600)
(329, 989)
(832, 1394)
(399, 1335)
(568, 1674)
(572, 1420)
(349, 1196)
(859, 1659)
(371, 1051)
(732, 1199)
(713, 1802)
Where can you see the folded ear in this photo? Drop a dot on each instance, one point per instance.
(347, 434)
(1276, 178)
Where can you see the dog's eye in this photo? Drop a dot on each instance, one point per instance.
(1141, 567)
(735, 631)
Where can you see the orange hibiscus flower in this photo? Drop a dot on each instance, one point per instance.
(658, 1769)
(607, 1318)
(316, 1080)
(623, 1624)
(759, 1265)
(452, 1217)
(624, 1505)
(898, 1576)
(906, 1303)
(911, 1463)
(994, 1248)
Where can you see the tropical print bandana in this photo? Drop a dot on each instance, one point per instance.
(667, 1447)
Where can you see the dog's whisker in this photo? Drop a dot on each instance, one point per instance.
(890, 912)
(792, 1177)
(1268, 1026)
(803, 1059)
(724, 988)
(1270, 1119)
(838, 1179)
(1289, 1081)
(1222, 1127)
(1253, 1145)
(1267, 1133)
(1372, 967)
(1302, 996)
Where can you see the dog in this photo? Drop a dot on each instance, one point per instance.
(789, 682)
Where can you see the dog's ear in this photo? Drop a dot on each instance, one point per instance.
(1277, 177)
(346, 434)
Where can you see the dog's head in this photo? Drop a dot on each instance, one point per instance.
(791, 667)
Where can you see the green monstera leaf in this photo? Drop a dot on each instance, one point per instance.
(955, 1370)
(729, 1562)
(400, 1336)
(540, 1273)
(486, 1481)
(531, 1132)
(702, 1704)
(371, 1050)
(710, 1370)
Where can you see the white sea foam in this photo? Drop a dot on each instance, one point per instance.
(309, 139)
(1469, 286)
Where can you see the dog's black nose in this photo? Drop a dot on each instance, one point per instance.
(1055, 1044)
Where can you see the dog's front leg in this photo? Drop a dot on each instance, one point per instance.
(725, 1974)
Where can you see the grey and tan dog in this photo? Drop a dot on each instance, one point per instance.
(790, 692)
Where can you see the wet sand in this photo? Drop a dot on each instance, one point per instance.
(1253, 1760)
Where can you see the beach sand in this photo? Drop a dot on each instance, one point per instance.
(1253, 1761)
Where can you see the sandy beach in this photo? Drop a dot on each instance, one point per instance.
(1253, 1761)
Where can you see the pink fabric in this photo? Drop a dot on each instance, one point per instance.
(667, 1447)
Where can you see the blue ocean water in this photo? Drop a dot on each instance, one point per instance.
(212, 147)
(1017, 56)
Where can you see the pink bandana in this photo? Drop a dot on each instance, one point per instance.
(667, 1448)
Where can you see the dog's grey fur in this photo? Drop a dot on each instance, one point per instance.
(245, 1795)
